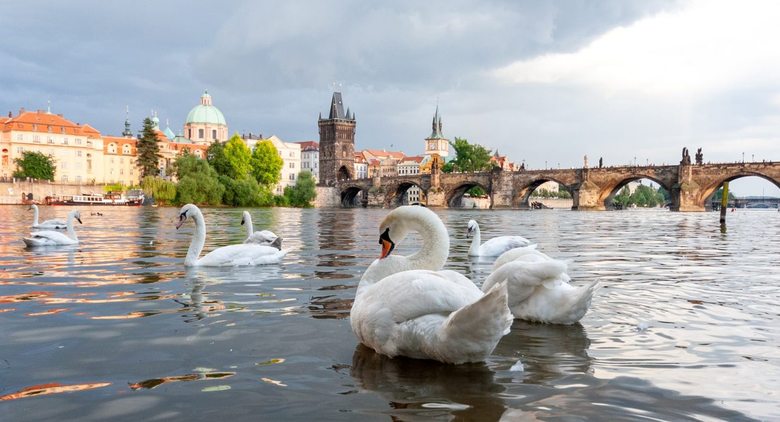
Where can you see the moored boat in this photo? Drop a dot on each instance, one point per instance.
(133, 198)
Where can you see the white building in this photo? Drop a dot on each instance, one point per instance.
(410, 166)
(360, 166)
(310, 158)
(291, 155)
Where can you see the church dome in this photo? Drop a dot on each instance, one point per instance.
(205, 112)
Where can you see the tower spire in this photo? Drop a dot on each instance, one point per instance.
(127, 132)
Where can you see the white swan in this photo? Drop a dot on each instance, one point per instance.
(539, 288)
(395, 227)
(232, 255)
(495, 246)
(48, 224)
(260, 237)
(55, 238)
(423, 313)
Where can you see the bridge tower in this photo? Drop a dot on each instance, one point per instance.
(337, 143)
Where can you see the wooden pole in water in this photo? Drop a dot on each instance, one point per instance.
(724, 203)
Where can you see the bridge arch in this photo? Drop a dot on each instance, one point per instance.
(709, 190)
(608, 192)
(354, 196)
(397, 193)
(454, 196)
(523, 192)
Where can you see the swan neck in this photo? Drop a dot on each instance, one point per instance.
(35, 215)
(475, 242)
(435, 245)
(248, 222)
(71, 232)
(198, 239)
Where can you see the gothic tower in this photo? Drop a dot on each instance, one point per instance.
(337, 143)
(437, 143)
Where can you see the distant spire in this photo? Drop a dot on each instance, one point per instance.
(436, 133)
(127, 132)
(336, 107)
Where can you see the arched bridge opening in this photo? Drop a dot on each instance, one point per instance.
(712, 194)
(621, 194)
(534, 194)
(354, 197)
(476, 193)
(405, 193)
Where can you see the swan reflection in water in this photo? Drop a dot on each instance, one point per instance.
(547, 351)
(417, 388)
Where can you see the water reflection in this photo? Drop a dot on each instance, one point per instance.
(546, 351)
(429, 389)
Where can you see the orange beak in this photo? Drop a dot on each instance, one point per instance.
(387, 247)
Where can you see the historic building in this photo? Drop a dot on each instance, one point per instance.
(205, 123)
(76, 149)
(291, 156)
(337, 143)
(310, 158)
(437, 143)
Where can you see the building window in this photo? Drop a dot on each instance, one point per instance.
(37, 139)
(292, 165)
(89, 143)
(214, 134)
(200, 133)
(19, 150)
(112, 149)
(19, 137)
(78, 179)
(78, 141)
(126, 149)
(121, 171)
(78, 153)
(64, 177)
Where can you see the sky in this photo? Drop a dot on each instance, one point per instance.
(543, 82)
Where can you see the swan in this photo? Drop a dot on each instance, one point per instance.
(48, 224)
(395, 227)
(55, 238)
(232, 255)
(493, 247)
(404, 307)
(539, 288)
(261, 237)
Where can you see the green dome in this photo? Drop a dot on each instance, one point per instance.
(205, 112)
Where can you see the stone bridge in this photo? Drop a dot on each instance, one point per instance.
(690, 185)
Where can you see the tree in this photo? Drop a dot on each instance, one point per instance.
(215, 155)
(303, 192)
(470, 157)
(35, 165)
(148, 151)
(266, 163)
(244, 192)
(622, 198)
(198, 182)
(163, 191)
(115, 187)
(238, 157)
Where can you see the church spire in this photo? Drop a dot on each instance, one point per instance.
(436, 125)
(127, 132)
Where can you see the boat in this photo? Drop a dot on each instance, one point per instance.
(134, 197)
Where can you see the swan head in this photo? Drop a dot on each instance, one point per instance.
(245, 217)
(472, 226)
(76, 215)
(184, 213)
(399, 222)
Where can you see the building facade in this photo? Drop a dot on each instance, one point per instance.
(291, 156)
(205, 123)
(310, 158)
(337, 143)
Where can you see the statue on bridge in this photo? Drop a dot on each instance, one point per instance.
(699, 157)
(601, 162)
(686, 158)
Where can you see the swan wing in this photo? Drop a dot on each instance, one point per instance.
(48, 238)
(498, 245)
(241, 255)
(51, 225)
(262, 237)
(527, 253)
(561, 304)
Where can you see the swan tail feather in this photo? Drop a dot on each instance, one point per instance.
(475, 329)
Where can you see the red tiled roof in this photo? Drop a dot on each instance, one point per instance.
(41, 121)
(308, 145)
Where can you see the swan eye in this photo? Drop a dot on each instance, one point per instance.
(385, 236)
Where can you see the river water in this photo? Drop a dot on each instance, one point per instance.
(685, 325)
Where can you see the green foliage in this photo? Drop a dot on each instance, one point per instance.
(281, 201)
(198, 182)
(35, 165)
(148, 150)
(719, 194)
(476, 191)
(470, 157)
(561, 193)
(215, 155)
(115, 187)
(447, 167)
(163, 191)
(303, 193)
(238, 157)
(244, 192)
(643, 196)
(266, 163)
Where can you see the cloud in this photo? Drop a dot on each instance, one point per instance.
(704, 49)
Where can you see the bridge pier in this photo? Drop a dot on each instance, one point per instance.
(586, 197)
